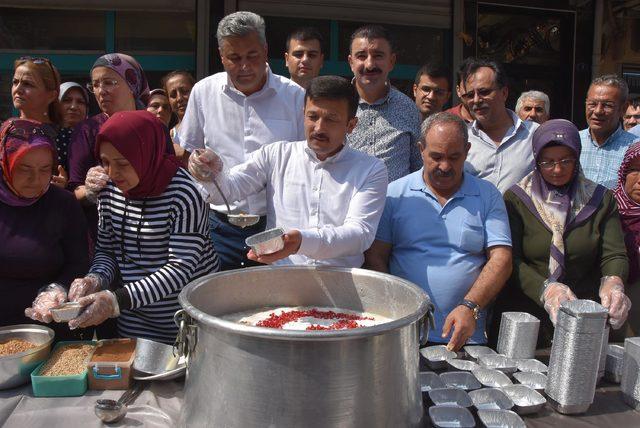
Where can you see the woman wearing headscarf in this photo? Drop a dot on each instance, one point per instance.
(566, 233)
(119, 84)
(42, 228)
(73, 107)
(34, 91)
(627, 194)
(153, 234)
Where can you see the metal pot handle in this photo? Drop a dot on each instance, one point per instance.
(424, 324)
(187, 337)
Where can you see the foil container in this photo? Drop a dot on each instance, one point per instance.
(575, 356)
(491, 378)
(267, 242)
(436, 356)
(66, 311)
(613, 364)
(533, 380)
(525, 400)
(429, 381)
(461, 380)
(490, 399)
(603, 353)
(531, 365)
(456, 364)
(450, 397)
(474, 351)
(498, 362)
(518, 335)
(451, 416)
(630, 382)
(500, 419)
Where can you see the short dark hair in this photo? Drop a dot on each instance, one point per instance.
(184, 73)
(634, 102)
(304, 34)
(371, 32)
(333, 88)
(471, 65)
(435, 70)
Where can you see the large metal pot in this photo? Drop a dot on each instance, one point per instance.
(243, 376)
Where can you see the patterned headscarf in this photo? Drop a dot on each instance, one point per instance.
(558, 208)
(129, 69)
(18, 137)
(629, 210)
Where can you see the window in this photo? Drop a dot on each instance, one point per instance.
(173, 32)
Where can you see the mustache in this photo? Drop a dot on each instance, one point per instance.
(444, 174)
(319, 136)
(480, 106)
(371, 70)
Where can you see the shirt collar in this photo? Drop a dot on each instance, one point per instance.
(517, 123)
(331, 159)
(468, 188)
(379, 101)
(270, 85)
(610, 138)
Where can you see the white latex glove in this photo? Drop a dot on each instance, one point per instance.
(99, 307)
(553, 295)
(205, 165)
(52, 296)
(96, 180)
(80, 287)
(613, 298)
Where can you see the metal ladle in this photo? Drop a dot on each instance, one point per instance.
(240, 220)
(111, 411)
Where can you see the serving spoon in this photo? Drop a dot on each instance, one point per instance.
(111, 411)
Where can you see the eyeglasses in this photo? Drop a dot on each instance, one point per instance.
(607, 106)
(104, 84)
(42, 60)
(564, 163)
(438, 92)
(631, 116)
(481, 93)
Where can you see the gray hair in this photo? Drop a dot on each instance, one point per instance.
(239, 24)
(534, 95)
(615, 81)
(441, 119)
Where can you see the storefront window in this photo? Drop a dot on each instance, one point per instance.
(155, 32)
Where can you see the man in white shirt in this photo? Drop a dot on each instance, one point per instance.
(326, 195)
(236, 112)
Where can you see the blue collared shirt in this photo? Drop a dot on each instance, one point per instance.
(601, 163)
(443, 248)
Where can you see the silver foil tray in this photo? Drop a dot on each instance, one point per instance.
(474, 351)
(436, 356)
(533, 380)
(490, 399)
(498, 362)
(450, 397)
(460, 380)
(613, 364)
(451, 416)
(500, 419)
(531, 365)
(429, 381)
(525, 399)
(461, 365)
(491, 378)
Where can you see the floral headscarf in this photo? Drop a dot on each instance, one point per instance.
(129, 69)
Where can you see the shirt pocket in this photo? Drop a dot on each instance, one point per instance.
(472, 235)
(280, 130)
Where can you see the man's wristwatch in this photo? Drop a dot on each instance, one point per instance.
(475, 308)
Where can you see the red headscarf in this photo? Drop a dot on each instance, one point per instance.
(142, 139)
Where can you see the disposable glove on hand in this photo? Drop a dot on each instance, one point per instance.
(96, 180)
(52, 296)
(205, 165)
(554, 294)
(99, 307)
(613, 298)
(83, 286)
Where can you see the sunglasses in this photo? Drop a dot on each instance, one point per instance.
(42, 60)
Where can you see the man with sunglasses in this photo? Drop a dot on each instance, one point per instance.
(604, 141)
(431, 89)
(500, 141)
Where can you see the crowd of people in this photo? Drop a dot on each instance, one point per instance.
(487, 209)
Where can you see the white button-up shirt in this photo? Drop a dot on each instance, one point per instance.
(221, 118)
(335, 203)
(506, 164)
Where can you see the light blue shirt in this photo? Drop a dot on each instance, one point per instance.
(601, 163)
(635, 130)
(442, 249)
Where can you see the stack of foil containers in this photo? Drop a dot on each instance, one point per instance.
(630, 383)
(518, 335)
(575, 355)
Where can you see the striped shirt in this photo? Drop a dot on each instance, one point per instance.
(154, 246)
(601, 163)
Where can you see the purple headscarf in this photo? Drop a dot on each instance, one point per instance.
(17, 137)
(629, 212)
(129, 69)
(558, 208)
